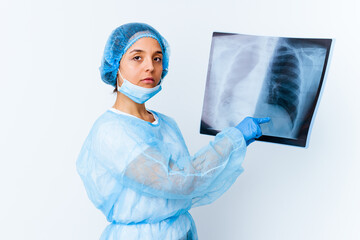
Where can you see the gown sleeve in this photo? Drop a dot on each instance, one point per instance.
(150, 168)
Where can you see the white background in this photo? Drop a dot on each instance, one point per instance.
(51, 93)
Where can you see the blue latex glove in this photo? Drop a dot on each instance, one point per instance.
(250, 128)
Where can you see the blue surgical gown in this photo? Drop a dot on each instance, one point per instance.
(142, 177)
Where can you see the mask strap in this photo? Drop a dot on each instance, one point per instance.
(121, 78)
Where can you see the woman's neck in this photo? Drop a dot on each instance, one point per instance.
(125, 104)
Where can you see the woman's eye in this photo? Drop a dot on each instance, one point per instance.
(157, 59)
(137, 58)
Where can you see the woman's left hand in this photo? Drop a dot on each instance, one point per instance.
(250, 128)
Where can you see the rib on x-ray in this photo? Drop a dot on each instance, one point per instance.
(284, 83)
(272, 77)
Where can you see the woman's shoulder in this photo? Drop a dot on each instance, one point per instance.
(107, 121)
(165, 118)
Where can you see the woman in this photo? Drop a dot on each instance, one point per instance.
(134, 163)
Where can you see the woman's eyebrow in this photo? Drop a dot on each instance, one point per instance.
(136, 50)
(139, 50)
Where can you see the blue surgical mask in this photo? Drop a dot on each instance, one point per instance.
(136, 93)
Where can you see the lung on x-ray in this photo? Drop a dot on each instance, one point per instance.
(260, 76)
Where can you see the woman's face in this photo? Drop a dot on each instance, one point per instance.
(142, 63)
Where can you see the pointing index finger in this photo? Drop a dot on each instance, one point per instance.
(263, 120)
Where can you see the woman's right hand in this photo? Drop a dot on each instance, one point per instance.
(250, 128)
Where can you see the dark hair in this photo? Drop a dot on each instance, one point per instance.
(115, 89)
(116, 85)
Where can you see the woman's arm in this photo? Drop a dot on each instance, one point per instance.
(155, 173)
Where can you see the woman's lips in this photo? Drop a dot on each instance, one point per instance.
(148, 80)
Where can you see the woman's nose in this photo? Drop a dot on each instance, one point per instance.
(149, 65)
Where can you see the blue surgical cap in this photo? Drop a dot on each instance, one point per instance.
(120, 40)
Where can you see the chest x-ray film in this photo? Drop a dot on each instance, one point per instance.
(259, 76)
